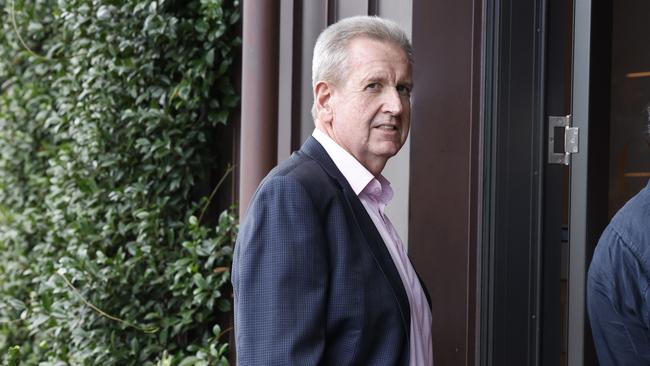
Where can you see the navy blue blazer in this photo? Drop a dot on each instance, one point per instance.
(314, 283)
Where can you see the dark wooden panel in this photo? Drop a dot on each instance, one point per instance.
(444, 171)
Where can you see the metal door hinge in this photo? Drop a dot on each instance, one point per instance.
(562, 139)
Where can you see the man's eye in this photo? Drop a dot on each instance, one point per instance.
(404, 90)
(372, 86)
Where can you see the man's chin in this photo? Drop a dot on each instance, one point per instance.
(388, 151)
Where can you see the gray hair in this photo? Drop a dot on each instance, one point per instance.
(330, 51)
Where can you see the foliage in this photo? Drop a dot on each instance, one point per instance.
(109, 114)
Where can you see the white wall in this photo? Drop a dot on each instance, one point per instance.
(398, 168)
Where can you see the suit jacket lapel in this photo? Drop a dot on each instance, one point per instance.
(374, 241)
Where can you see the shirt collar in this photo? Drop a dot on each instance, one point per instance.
(354, 172)
(379, 189)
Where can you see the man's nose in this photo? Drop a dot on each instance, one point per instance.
(393, 102)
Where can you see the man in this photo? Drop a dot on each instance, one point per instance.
(319, 273)
(618, 286)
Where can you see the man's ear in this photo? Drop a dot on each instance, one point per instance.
(323, 97)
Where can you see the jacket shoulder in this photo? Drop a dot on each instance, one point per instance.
(307, 172)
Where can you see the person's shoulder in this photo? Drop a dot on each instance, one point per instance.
(298, 165)
(632, 221)
(303, 173)
(631, 225)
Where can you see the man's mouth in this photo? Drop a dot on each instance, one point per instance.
(387, 127)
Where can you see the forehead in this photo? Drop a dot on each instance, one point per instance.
(370, 56)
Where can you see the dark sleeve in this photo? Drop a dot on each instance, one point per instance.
(617, 302)
(280, 278)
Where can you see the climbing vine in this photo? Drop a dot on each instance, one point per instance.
(110, 112)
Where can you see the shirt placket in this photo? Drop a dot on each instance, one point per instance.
(418, 297)
(413, 290)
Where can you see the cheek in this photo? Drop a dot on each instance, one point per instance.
(358, 120)
(407, 122)
(360, 113)
(406, 117)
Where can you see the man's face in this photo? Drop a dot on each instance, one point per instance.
(370, 107)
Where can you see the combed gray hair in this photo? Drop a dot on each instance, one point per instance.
(330, 51)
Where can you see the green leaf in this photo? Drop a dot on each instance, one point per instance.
(193, 220)
(142, 215)
(224, 305)
(209, 57)
(189, 361)
(34, 27)
(201, 26)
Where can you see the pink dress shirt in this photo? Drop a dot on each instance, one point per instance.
(375, 193)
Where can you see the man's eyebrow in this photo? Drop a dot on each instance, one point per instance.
(374, 78)
(380, 77)
(407, 83)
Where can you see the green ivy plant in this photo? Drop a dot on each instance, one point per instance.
(109, 114)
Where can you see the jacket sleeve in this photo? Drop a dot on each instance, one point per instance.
(280, 278)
